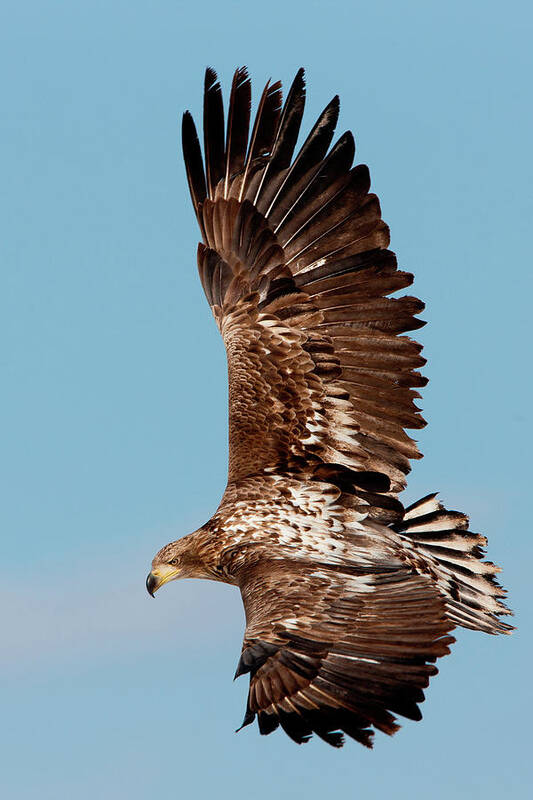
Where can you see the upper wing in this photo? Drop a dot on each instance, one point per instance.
(329, 651)
(295, 266)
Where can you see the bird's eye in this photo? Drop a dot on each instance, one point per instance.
(174, 561)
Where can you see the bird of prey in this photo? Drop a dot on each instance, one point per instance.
(350, 597)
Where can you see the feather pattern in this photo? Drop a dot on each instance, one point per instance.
(313, 151)
(284, 140)
(238, 125)
(263, 133)
(194, 165)
(318, 186)
(214, 147)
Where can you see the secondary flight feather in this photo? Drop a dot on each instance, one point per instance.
(349, 597)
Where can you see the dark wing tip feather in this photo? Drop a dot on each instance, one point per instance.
(238, 125)
(211, 77)
(214, 144)
(348, 138)
(194, 165)
(241, 74)
(299, 78)
(289, 125)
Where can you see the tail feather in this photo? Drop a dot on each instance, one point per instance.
(441, 544)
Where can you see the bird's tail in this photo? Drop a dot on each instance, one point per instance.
(442, 545)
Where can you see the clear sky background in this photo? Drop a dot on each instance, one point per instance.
(114, 383)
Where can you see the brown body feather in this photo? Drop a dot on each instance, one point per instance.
(349, 598)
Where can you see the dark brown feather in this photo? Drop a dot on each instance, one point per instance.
(312, 152)
(238, 126)
(194, 164)
(284, 141)
(214, 146)
(316, 188)
(263, 133)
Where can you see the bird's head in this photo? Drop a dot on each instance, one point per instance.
(175, 560)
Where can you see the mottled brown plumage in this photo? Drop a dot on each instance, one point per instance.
(349, 597)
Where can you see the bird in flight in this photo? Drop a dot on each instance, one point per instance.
(350, 597)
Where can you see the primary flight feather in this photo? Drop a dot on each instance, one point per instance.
(349, 597)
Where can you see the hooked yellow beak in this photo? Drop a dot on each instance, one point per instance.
(160, 575)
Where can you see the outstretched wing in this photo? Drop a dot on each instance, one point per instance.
(344, 615)
(331, 652)
(295, 265)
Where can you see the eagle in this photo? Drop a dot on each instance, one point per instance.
(349, 596)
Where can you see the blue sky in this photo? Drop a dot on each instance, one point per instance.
(114, 383)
